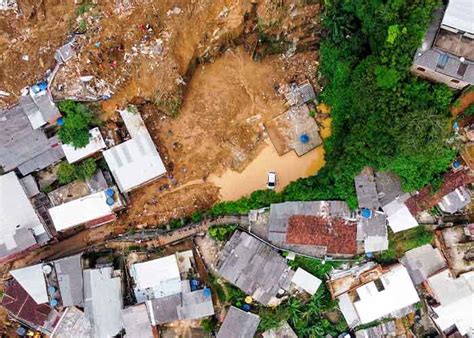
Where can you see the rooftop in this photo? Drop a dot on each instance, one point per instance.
(254, 267)
(83, 210)
(156, 278)
(366, 189)
(336, 234)
(373, 231)
(103, 301)
(70, 279)
(399, 215)
(392, 292)
(19, 223)
(455, 200)
(456, 299)
(136, 322)
(136, 161)
(19, 142)
(388, 186)
(39, 108)
(284, 331)
(306, 281)
(238, 323)
(422, 262)
(458, 15)
(96, 144)
(32, 280)
(73, 323)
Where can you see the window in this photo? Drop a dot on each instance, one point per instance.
(421, 69)
(379, 285)
(442, 61)
(454, 81)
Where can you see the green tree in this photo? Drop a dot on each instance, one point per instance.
(69, 172)
(66, 173)
(86, 169)
(77, 121)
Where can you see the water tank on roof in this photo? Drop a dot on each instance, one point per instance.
(366, 213)
(248, 300)
(457, 164)
(206, 292)
(304, 138)
(53, 302)
(110, 201)
(51, 290)
(110, 192)
(194, 282)
(246, 307)
(60, 122)
(21, 331)
(47, 269)
(40, 86)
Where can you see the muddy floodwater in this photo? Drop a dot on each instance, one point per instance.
(288, 168)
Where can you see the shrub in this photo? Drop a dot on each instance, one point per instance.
(77, 121)
(222, 232)
(83, 171)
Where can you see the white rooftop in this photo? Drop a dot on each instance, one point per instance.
(135, 161)
(399, 216)
(81, 210)
(96, 143)
(17, 213)
(459, 15)
(456, 297)
(398, 293)
(306, 281)
(32, 280)
(156, 278)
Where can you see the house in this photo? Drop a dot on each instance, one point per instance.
(298, 95)
(23, 308)
(92, 210)
(238, 324)
(39, 108)
(156, 278)
(32, 279)
(455, 200)
(305, 281)
(254, 267)
(135, 162)
(399, 216)
(103, 301)
(188, 305)
(392, 294)
(69, 277)
(96, 144)
(284, 331)
(21, 230)
(73, 323)
(366, 190)
(372, 230)
(447, 54)
(423, 262)
(23, 147)
(315, 228)
(455, 299)
(136, 322)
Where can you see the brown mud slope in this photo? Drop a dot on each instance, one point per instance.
(35, 31)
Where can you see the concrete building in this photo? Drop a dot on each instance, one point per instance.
(423, 262)
(455, 297)
(103, 302)
(21, 230)
(238, 324)
(455, 200)
(447, 52)
(136, 322)
(96, 144)
(391, 294)
(73, 323)
(399, 216)
(305, 281)
(284, 331)
(135, 162)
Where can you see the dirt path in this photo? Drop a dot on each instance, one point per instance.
(465, 101)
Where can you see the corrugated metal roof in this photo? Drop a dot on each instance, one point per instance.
(136, 322)
(459, 15)
(73, 323)
(306, 281)
(423, 262)
(238, 324)
(135, 161)
(32, 280)
(70, 280)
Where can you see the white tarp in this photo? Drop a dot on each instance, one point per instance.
(32, 280)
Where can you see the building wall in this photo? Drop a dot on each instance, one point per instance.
(438, 77)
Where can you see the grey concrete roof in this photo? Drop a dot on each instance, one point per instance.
(103, 302)
(254, 267)
(388, 187)
(284, 331)
(69, 274)
(423, 262)
(136, 322)
(366, 189)
(46, 106)
(238, 324)
(73, 323)
(30, 186)
(49, 157)
(298, 95)
(19, 142)
(373, 231)
(181, 306)
(455, 200)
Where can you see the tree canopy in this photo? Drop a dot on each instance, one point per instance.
(77, 121)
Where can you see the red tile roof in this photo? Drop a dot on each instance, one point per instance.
(336, 234)
(22, 307)
(425, 199)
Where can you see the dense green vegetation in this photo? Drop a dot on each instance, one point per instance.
(77, 121)
(69, 172)
(401, 242)
(222, 232)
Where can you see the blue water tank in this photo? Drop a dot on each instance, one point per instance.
(304, 138)
(246, 307)
(457, 164)
(110, 201)
(40, 86)
(51, 289)
(53, 302)
(194, 282)
(369, 254)
(21, 331)
(206, 292)
(366, 213)
(60, 122)
(110, 192)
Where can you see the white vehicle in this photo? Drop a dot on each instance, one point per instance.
(271, 182)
